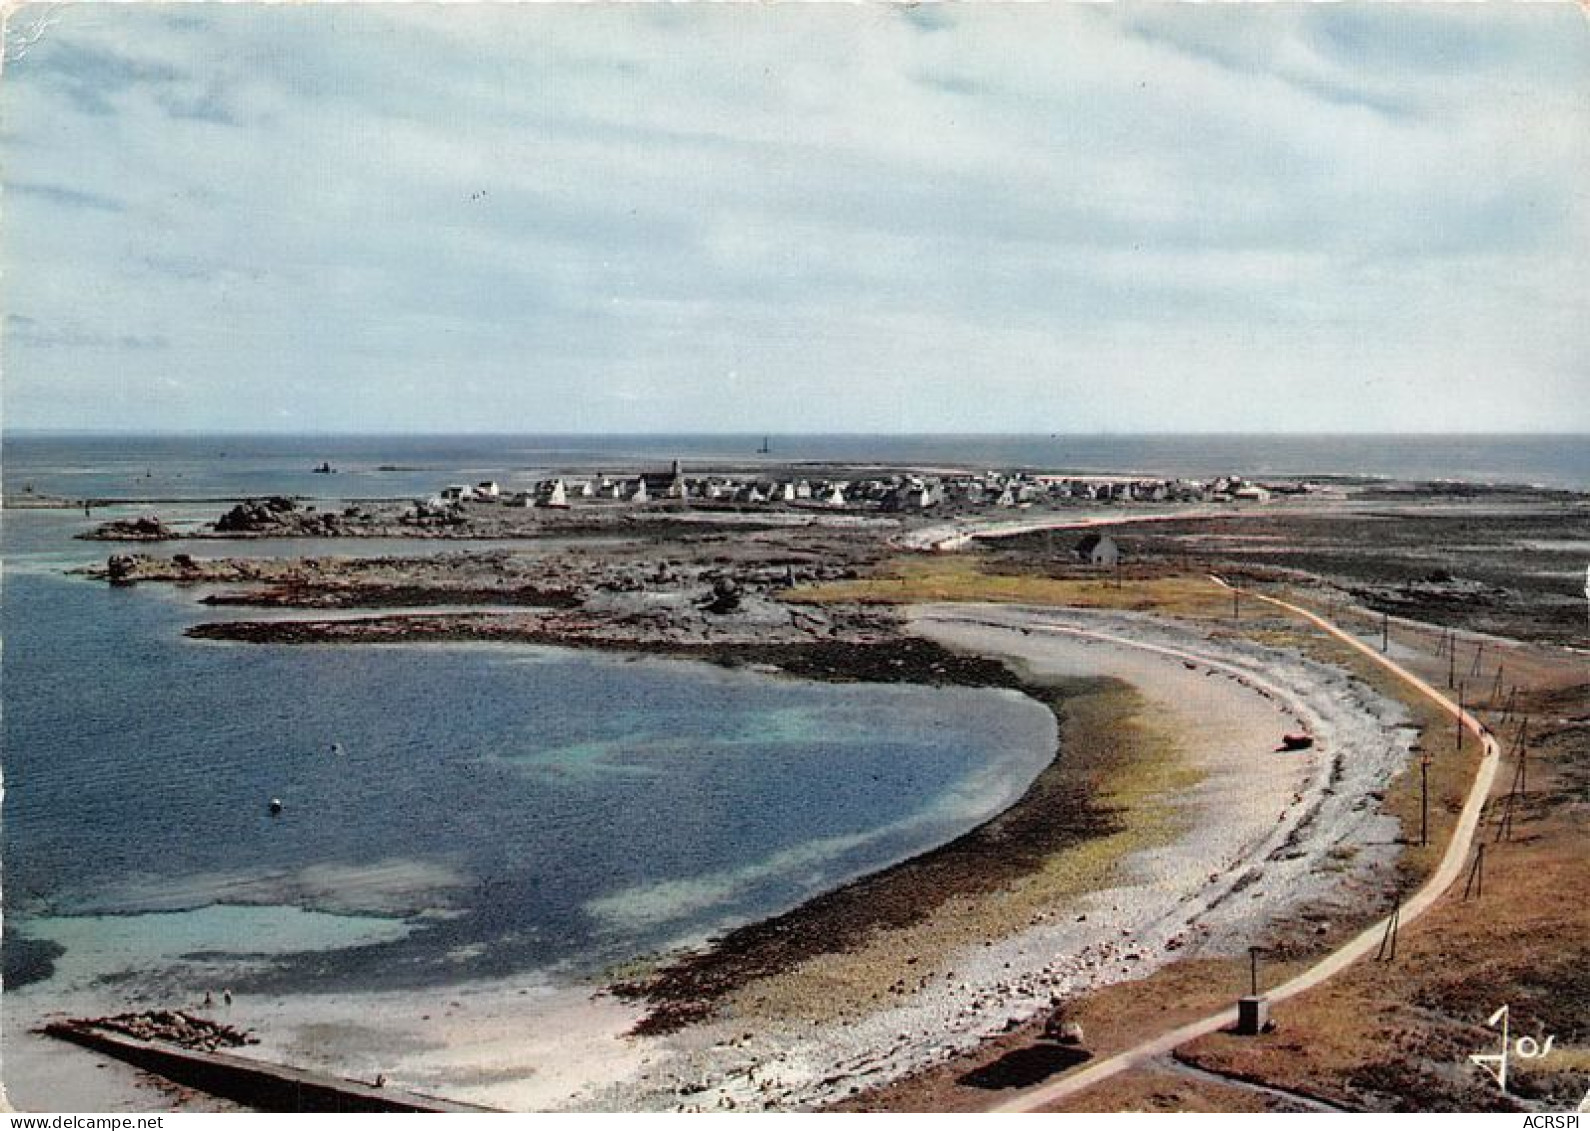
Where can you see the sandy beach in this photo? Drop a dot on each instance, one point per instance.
(1256, 841)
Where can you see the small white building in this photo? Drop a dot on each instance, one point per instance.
(1099, 550)
(555, 494)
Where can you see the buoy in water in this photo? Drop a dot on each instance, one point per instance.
(276, 806)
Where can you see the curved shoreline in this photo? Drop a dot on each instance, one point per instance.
(815, 1062)
(1059, 810)
(1166, 905)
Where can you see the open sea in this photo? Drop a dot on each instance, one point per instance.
(454, 812)
(403, 466)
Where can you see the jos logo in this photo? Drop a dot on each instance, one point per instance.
(1524, 1048)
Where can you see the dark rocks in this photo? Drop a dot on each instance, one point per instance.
(120, 567)
(172, 1026)
(146, 528)
(725, 597)
(257, 514)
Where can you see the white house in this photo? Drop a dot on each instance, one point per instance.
(1099, 550)
(555, 494)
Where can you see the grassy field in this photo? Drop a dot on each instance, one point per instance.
(919, 579)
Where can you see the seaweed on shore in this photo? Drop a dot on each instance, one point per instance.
(28, 960)
(376, 596)
(1057, 811)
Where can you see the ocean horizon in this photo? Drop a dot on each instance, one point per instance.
(108, 463)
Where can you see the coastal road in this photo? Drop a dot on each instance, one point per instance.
(1450, 868)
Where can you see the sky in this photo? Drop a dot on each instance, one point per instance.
(795, 218)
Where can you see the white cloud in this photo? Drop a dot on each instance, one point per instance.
(1348, 217)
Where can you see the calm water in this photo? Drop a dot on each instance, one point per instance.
(373, 467)
(492, 809)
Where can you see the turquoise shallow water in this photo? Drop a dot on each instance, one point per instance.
(492, 809)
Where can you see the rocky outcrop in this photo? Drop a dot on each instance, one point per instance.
(725, 597)
(255, 515)
(146, 528)
(174, 1027)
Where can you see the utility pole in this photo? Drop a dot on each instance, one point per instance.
(1236, 603)
(1479, 659)
(1451, 664)
(1388, 941)
(1460, 711)
(1504, 823)
(1385, 632)
(1476, 881)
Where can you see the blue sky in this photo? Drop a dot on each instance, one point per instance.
(1036, 218)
